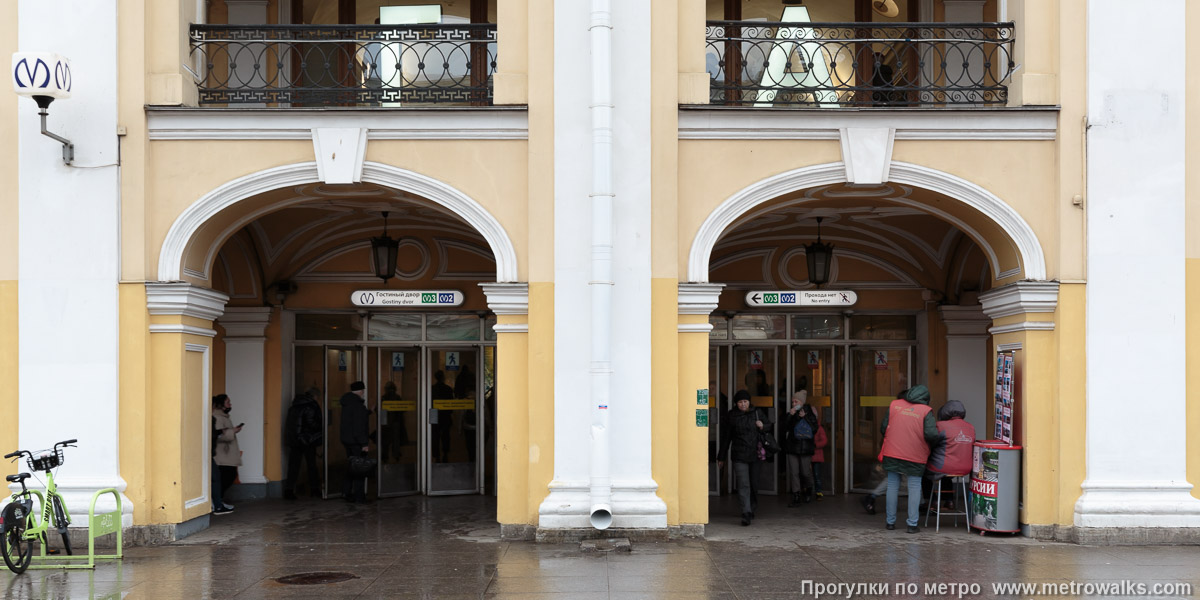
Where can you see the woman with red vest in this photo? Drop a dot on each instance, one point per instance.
(909, 430)
(953, 457)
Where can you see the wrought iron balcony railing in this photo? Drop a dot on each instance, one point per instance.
(755, 63)
(345, 65)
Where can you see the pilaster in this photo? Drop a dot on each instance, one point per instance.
(181, 317)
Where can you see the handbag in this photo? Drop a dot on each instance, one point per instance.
(768, 443)
(362, 466)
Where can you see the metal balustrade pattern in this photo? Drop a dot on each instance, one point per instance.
(763, 64)
(344, 65)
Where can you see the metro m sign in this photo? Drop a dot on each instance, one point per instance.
(41, 74)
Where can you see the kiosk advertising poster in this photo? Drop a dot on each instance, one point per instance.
(995, 486)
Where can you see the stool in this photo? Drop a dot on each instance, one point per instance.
(958, 484)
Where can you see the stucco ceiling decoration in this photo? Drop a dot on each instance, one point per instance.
(321, 233)
(893, 238)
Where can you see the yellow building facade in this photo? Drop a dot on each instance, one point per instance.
(608, 218)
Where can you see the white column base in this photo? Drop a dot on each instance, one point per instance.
(1131, 503)
(635, 505)
(78, 493)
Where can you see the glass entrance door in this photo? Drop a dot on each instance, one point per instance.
(813, 370)
(757, 370)
(342, 367)
(398, 389)
(878, 374)
(452, 420)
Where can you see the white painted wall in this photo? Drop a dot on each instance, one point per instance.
(69, 251)
(572, 218)
(634, 502)
(1135, 219)
(245, 374)
(631, 266)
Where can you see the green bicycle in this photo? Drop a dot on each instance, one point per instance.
(18, 527)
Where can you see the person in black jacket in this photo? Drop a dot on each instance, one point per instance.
(800, 445)
(740, 432)
(303, 433)
(356, 432)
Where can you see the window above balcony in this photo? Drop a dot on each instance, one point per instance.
(371, 56)
(858, 54)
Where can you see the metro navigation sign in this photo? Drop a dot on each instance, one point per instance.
(801, 298)
(430, 298)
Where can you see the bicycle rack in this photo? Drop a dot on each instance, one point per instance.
(98, 525)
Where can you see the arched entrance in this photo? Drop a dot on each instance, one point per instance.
(284, 252)
(926, 255)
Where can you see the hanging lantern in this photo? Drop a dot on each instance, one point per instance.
(384, 251)
(820, 257)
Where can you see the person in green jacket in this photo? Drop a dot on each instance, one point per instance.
(909, 431)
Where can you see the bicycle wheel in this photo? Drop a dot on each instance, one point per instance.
(17, 550)
(62, 522)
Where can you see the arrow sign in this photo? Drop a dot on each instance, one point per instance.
(801, 298)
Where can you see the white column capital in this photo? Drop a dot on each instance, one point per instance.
(185, 299)
(1020, 298)
(245, 322)
(507, 298)
(965, 321)
(699, 298)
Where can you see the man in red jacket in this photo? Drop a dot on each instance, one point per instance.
(909, 430)
(953, 457)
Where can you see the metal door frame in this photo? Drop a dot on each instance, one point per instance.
(426, 381)
(848, 459)
(379, 350)
(796, 346)
(362, 363)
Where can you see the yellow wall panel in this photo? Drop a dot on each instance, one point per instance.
(541, 396)
(512, 423)
(194, 401)
(9, 366)
(134, 344)
(667, 421)
(1071, 327)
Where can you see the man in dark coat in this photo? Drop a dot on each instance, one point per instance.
(303, 433)
(356, 432)
(740, 432)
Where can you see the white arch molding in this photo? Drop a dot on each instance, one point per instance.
(170, 259)
(1018, 230)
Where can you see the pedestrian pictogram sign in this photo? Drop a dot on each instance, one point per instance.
(756, 357)
(452, 363)
(881, 360)
(814, 360)
(397, 361)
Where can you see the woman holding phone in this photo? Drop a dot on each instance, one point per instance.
(226, 455)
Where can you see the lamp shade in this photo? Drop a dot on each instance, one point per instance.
(41, 74)
(383, 253)
(820, 257)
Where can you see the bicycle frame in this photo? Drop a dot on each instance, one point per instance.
(40, 524)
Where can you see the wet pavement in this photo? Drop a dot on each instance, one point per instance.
(450, 547)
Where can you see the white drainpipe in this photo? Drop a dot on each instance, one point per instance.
(600, 33)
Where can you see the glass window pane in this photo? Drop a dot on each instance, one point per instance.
(489, 333)
(328, 327)
(819, 327)
(720, 328)
(883, 327)
(452, 328)
(395, 327)
(759, 327)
